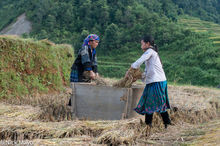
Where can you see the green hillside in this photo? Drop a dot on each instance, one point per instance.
(188, 57)
(208, 10)
(28, 66)
(9, 10)
(197, 25)
(191, 63)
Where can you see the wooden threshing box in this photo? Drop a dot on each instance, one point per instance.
(104, 102)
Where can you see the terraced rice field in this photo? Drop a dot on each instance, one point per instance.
(198, 25)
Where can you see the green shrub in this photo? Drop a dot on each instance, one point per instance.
(29, 66)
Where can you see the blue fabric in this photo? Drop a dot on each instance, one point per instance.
(93, 52)
(154, 99)
(74, 75)
(91, 37)
(85, 57)
(88, 69)
(83, 61)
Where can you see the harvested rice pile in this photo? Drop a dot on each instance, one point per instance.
(130, 131)
(192, 105)
(126, 82)
(21, 122)
(98, 80)
(53, 107)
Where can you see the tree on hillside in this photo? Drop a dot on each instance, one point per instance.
(111, 38)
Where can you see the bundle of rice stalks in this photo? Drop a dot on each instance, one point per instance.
(19, 128)
(127, 132)
(113, 138)
(53, 106)
(122, 134)
(126, 82)
(132, 131)
(76, 140)
(184, 110)
(18, 113)
(189, 105)
(23, 132)
(55, 112)
(98, 80)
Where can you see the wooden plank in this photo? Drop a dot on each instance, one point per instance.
(99, 102)
(73, 101)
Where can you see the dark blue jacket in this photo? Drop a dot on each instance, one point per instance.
(85, 61)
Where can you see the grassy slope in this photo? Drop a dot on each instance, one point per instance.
(198, 25)
(21, 61)
(29, 66)
(116, 64)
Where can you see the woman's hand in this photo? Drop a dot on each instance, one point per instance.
(97, 74)
(134, 80)
(92, 75)
(126, 74)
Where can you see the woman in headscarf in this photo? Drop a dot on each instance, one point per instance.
(86, 61)
(84, 68)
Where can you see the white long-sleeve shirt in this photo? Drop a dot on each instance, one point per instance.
(153, 68)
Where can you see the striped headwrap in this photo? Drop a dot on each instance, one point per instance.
(91, 37)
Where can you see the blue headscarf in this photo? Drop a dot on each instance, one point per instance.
(91, 37)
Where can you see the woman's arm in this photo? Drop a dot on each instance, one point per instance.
(141, 60)
(95, 65)
(86, 62)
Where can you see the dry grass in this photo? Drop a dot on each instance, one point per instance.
(130, 131)
(191, 105)
(76, 140)
(101, 81)
(97, 81)
(211, 137)
(29, 66)
(47, 42)
(126, 82)
(53, 107)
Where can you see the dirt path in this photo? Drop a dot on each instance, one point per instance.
(21, 26)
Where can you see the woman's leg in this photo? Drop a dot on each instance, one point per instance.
(166, 118)
(148, 119)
